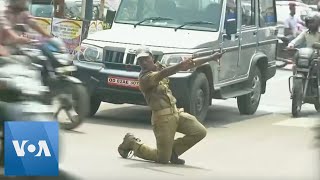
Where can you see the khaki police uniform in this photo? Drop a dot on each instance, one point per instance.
(166, 120)
(306, 38)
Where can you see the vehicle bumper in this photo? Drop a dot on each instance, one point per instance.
(120, 95)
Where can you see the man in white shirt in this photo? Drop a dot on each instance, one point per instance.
(293, 24)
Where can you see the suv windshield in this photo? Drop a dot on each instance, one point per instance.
(173, 13)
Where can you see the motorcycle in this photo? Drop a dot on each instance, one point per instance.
(305, 86)
(56, 70)
(21, 95)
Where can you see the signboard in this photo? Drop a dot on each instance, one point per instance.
(45, 24)
(69, 31)
(100, 25)
(93, 27)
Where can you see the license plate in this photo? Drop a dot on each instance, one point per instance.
(123, 82)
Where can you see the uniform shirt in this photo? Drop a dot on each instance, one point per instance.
(157, 93)
(307, 38)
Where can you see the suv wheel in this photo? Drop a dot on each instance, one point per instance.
(199, 96)
(317, 106)
(248, 104)
(94, 106)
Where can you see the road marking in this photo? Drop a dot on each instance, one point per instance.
(305, 122)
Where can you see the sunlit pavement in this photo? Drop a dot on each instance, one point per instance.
(268, 145)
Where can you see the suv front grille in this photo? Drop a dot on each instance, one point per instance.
(113, 56)
(118, 56)
(130, 58)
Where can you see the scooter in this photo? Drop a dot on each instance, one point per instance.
(305, 87)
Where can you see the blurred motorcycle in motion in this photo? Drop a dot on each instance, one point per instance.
(21, 94)
(56, 70)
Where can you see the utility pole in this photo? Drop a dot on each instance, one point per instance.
(88, 9)
(83, 9)
(101, 9)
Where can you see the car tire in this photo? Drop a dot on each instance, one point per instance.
(317, 106)
(199, 99)
(94, 106)
(249, 103)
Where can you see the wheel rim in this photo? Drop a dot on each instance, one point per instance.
(256, 93)
(200, 100)
(69, 108)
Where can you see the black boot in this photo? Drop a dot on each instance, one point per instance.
(127, 145)
(175, 160)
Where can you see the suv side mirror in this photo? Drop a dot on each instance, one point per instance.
(110, 17)
(231, 27)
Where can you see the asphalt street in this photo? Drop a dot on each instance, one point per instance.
(270, 145)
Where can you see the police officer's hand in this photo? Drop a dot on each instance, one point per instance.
(186, 64)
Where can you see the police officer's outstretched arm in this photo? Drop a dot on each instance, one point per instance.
(300, 39)
(186, 64)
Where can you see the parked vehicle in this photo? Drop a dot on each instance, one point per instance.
(174, 30)
(305, 80)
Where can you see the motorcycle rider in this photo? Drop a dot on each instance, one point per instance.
(309, 36)
(8, 35)
(17, 12)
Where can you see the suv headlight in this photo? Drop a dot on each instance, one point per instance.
(172, 59)
(90, 53)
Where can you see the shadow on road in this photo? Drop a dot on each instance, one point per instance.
(141, 164)
(62, 176)
(220, 116)
(139, 116)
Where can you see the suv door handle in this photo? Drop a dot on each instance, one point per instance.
(255, 33)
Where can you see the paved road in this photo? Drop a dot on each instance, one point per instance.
(269, 145)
